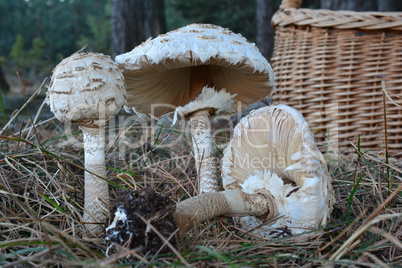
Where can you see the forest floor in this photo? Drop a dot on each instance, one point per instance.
(41, 202)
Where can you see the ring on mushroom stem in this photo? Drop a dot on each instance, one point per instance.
(87, 89)
(296, 207)
(203, 70)
(296, 174)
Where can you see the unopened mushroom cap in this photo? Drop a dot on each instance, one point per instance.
(273, 149)
(158, 70)
(86, 88)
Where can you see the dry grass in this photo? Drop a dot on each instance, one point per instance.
(41, 199)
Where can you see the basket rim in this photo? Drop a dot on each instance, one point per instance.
(340, 19)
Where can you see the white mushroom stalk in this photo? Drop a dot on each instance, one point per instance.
(87, 89)
(200, 71)
(198, 209)
(199, 116)
(202, 145)
(271, 169)
(96, 199)
(272, 172)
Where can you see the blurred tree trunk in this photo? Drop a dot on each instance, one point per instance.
(134, 21)
(3, 83)
(154, 21)
(124, 20)
(355, 5)
(312, 4)
(265, 33)
(389, 5)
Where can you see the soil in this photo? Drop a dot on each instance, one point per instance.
(133, 232)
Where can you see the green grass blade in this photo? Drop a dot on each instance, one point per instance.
(53, 203)
(22, 251)
(61, 252)
(352, 193)
(216, 255)
(23, 242)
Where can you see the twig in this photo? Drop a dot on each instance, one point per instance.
(388, 236)
(35, 119)
(36, 93)
(164, 244)
(32, 257)
(379, 208)
(172, 248)
(120, 255)
(345, 246)
(378, 161)
(386, 136)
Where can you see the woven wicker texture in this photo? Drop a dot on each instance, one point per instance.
(330, 65)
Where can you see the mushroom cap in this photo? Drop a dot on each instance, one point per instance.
(87, 89)
(158, 70)
(273, 149)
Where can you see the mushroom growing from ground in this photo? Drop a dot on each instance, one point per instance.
(87, 89)
(201, 70)
(293, 188)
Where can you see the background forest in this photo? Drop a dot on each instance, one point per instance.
(36, 34)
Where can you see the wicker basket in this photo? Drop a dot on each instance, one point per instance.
(330, 66)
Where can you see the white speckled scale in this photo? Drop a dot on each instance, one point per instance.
(158, 71)
(204, 40)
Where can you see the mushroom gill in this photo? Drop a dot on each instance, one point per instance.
(274, 147)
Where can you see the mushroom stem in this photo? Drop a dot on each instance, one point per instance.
(199, 78)
(96, 190)
(202, 145)
(203, 207)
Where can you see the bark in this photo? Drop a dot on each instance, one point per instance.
(125, 25)
(312, 4)
(265, 33)
(134, 21)
(3, 83)
(154, 20)
(389, 5)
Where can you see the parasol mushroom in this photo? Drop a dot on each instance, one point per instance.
(87, 89)
(273, 147)
(284, 179)
(201, 70)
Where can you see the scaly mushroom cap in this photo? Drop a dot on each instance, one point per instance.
(86, 88)
(158, 70)
(274, 149)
